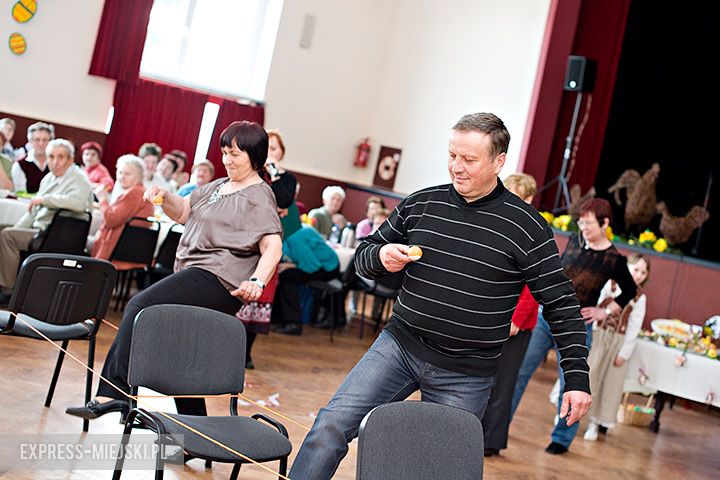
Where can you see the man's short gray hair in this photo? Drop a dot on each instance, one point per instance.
(332, 190)
(132, 161)
(48, 127)
(61, 142)
(489, 124)
(7, 121)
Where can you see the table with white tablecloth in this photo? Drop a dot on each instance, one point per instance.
(11, 210)
(655, 368)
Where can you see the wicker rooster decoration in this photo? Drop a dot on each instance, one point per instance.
(677, 230)
(641, 205)
(577, 199)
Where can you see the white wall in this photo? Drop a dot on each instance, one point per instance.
(402, 72)
(323, 98)
(50, 80)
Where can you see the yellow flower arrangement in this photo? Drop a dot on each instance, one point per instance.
(660, 245)
(647, 236)
(562, 222)
(609, 233)
(549, 217)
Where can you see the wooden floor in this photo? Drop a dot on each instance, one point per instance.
(306, 370)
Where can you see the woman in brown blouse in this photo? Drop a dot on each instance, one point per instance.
(228, 252)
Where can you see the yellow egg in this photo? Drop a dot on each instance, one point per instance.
(24, 10)
(17, 44)
(414, 252)
(158, 200)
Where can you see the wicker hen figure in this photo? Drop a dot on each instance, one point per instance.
(677, 230)
(577, 199)
(641, 198)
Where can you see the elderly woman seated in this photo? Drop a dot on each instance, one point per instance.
(129, 204)
(98, 175)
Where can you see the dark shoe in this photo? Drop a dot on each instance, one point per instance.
(249, 365)
(556, 449)
(4, 299)
(95, 409)
(602, 429)
(289, 329)
(489, 452)
(323, 325)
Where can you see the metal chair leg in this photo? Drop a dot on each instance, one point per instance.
(283, 467)
(56, 373)
(235, 471)
(89, 378)
(121, 455)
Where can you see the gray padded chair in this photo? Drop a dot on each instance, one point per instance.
(65, 297)
(420, 441)
(187, 350)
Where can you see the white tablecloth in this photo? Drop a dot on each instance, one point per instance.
(654, 367)
(11, 210)
(345, 255)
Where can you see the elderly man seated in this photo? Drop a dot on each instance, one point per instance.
(27, 173)
(66, 186)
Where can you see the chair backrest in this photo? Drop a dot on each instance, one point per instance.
(137, 242)
(67, 233)
(63, 289)
(420, 441)
(168, 248)
(187, 350)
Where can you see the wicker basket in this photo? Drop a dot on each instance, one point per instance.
(631, 414)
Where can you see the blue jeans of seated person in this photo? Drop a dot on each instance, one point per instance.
(540, 344)
(386, 373)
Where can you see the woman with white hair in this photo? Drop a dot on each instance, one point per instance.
(333, 198)
(130, 170)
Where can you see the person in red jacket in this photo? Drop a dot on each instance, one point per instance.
(496, 421)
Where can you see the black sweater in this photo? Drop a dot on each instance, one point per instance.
(456, 302)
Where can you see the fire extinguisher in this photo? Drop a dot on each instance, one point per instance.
(363, 154)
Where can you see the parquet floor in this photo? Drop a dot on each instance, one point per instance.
(306, 370)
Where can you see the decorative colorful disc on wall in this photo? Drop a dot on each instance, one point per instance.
(17, 44)
(24, 10)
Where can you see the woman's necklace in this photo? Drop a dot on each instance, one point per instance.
(216, 195)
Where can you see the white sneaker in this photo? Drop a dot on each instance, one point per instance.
(591, 434)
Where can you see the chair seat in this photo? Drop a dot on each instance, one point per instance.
(245, 435)
(331, 286)
(122, 265)
(52, 331)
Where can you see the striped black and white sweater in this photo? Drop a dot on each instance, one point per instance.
(456, 302)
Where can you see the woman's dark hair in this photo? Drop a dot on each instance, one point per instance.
(252, 139)
(599, 207)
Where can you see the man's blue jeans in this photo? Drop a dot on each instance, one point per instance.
(386, 373)
(540, 344)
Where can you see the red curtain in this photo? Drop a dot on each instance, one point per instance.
(121, 39)
(153, 112)
(231, 111)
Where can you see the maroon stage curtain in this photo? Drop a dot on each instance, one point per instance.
(121, 39)
(230, 111)
(153, 112)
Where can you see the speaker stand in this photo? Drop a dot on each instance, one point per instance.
(563, 192)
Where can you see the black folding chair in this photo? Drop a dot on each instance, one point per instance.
(187, 350)
(420, 441)
(133, 253)
(165, 259)
(67, 233)
(65, 297)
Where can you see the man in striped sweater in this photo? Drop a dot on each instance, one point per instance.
(481, 245)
